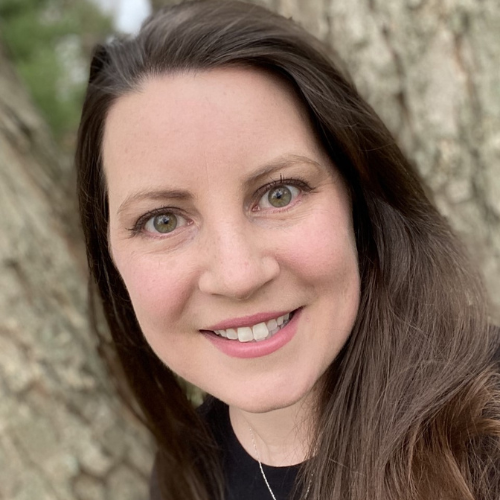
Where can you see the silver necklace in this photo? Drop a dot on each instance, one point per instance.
(262, 470)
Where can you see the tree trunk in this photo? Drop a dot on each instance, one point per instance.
(63, 434)
(430, 68)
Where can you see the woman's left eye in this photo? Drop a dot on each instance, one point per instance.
(163, 223)
(279, 196)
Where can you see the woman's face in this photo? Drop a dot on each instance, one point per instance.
(226, 214)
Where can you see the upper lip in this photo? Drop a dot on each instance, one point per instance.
(251, 320)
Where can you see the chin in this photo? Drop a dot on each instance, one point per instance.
(257, 402)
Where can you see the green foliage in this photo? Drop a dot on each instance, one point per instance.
(49, 42)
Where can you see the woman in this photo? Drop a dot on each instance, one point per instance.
(253, 228)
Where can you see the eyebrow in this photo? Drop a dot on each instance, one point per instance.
(270, 168)
(147, 194)
(279, 163)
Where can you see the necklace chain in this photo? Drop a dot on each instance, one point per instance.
(262, 469)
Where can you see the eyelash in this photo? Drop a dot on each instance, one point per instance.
(297, 182)
(283, 181)
(141, 222)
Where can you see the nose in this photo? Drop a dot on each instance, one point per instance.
(238, 262)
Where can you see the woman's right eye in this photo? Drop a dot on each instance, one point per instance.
(163, 223)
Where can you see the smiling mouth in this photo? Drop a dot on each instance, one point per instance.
(258, 332)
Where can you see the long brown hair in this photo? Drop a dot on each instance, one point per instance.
(410, 407)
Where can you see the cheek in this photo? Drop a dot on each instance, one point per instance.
(324, 251)
(158, 287)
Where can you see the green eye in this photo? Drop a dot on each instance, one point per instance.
(280, 196)
(164, 223)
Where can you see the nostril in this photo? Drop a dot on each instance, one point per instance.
(238, 280)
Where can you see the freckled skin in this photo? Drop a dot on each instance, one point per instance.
(232, 255)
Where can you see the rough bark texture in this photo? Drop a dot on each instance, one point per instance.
(430, 68)
(63, 434)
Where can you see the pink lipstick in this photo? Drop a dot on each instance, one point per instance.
(252, 348)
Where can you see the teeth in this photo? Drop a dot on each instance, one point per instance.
(272, 325)
(261, 331)
(245, 334)
(232, 334)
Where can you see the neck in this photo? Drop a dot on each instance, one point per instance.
(282, 436)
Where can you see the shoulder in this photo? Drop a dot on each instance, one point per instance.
(214, 413)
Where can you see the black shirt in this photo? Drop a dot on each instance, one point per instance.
(244, 480)
(242, 475)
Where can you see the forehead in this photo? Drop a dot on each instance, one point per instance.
(198, 121)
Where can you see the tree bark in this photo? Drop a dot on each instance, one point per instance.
(430, 68)
(63, 434)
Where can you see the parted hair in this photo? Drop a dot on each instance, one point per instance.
(410, 408)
